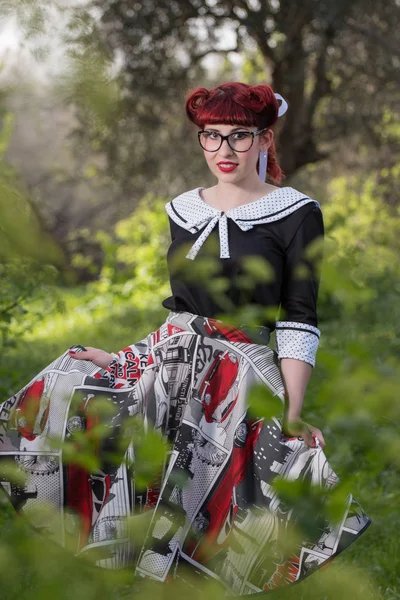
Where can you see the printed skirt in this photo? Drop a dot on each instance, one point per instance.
(215, 509)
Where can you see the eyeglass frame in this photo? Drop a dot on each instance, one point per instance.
(226, 137)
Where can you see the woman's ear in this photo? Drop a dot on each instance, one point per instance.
(266, 140)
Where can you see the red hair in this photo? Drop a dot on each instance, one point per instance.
(237, 104)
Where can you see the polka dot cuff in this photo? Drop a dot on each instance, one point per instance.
(297, 340)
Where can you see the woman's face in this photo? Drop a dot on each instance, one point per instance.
(236, 167)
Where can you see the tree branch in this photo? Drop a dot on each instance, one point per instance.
(11, 307)
(198, 57)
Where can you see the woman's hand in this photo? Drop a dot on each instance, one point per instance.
(98, 357)
(299, 428)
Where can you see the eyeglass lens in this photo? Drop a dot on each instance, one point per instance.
(241, 141)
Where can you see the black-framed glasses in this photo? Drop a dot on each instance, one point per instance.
(238, 141)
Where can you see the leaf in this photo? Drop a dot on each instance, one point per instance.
(263, 404)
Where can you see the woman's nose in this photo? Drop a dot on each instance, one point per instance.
(225, 149)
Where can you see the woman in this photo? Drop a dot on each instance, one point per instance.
(215, 509)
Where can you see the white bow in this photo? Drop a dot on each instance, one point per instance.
(283, 105)
(222, 221)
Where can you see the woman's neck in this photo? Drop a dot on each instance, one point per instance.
(226, 196)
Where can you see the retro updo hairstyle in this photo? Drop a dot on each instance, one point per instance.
(237, 104)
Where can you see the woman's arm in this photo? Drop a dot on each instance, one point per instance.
(296, 375)
(101, 358)
(297, 335)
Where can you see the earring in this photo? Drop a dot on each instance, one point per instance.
(262, 165)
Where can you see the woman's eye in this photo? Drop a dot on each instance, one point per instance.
(240, 135)
(211, 135)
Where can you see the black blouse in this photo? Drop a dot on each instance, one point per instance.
(260, 262)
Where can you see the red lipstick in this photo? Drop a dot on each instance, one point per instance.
(226, 166)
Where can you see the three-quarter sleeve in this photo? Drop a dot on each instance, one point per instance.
(297, 336)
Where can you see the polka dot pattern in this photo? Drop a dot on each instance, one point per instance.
(297, 340)
(190, 212)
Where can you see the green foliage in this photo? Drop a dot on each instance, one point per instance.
(21, 282)
(353, 393)
(88, 83)
(20, 225)
(27, 259)
(263, 405)
(135, 265)
(361, 276)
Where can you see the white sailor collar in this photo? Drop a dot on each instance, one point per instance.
(190, 212)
